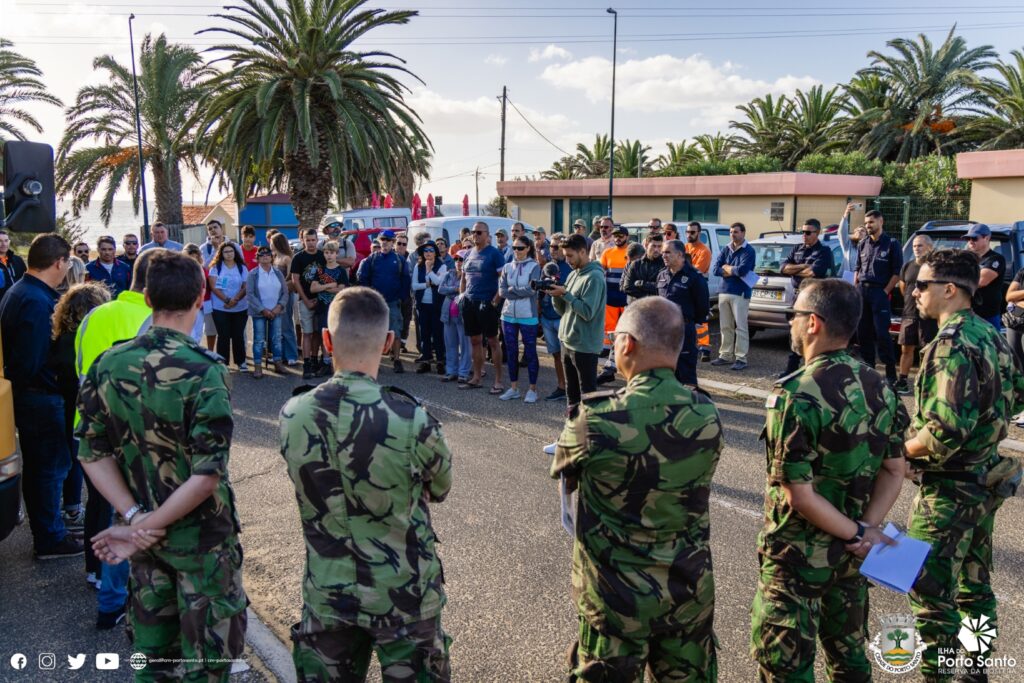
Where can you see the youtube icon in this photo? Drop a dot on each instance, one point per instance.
(108, 661)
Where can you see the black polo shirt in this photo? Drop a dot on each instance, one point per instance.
(878, 261)
(817, 256)
(988, 300)
(688, 290)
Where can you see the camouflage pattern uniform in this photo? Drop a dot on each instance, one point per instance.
(968, 388)
(643, 458)
(831, 423)
(160, 406)
(366, 461)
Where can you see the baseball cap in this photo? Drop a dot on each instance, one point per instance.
(978, 230)
(580, 221)
(620, 230)
(263, 250)
(387, 235)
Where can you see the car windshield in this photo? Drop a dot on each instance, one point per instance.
(770, 258)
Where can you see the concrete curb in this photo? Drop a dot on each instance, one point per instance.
(274, 654)
(743, 391)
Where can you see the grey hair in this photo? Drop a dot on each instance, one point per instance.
(927, 240)
(677, 246)
(655, 323)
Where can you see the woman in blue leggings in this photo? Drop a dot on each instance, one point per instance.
(519, 316)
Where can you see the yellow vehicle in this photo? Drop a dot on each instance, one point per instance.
(10, 458)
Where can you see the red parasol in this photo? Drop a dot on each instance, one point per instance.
(416, 207)
(465, 205)
(430, 205)
(388, 202)
(374, 201)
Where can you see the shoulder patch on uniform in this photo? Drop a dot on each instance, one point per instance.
(402, 393)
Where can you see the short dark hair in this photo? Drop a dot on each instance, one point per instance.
(814, 223)
(47, 248)
(874, 213)
(693, 224)
(173, 281)
(159, 224)
(106, 239)
(958, 266)
(309, 231)
(141, 267)
(248, 230)
(742, 228)
(129, 234)
(576, 243)
(358, 318)
(213, 221)
(837, 302)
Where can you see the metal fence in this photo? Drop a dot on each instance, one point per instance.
(903, 215)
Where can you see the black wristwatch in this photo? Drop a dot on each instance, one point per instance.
(859, 536)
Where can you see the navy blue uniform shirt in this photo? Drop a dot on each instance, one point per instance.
(878, 262)
(25, 322)
(817, 256)
(688, 290)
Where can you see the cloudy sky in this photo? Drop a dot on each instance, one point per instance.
(682, 66)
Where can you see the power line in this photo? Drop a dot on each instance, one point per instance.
(545, 138)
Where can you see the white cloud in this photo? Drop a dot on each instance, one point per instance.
(548, 53)
(496, 60)
(667, 83)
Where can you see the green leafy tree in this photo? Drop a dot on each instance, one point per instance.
(898, 636)
(678, 155)
(764, 126)
(931, 91)
(715, 147)
(300, 107)
(566, 168)
(593, 161)
(813, 123)
(1003, 127)
(99, 147)
(20, 84)
(632, 160)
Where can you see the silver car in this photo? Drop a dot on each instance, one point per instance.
(773, 296)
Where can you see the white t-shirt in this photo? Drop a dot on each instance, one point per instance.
(229, 281)
(268, 287)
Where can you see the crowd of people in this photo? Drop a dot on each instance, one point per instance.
(103, 366)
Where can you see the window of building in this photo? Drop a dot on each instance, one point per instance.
(703, 210)
(587, 209)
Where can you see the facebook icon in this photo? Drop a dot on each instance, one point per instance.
(18, 661)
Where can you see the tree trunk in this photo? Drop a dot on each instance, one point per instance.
(167, 192)
(310, 187)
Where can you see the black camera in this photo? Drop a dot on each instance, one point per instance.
(544, 284)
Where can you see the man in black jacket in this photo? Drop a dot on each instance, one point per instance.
(12, 267)
(640, 277)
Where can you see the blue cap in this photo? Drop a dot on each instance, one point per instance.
(387, 235)
(978, 230)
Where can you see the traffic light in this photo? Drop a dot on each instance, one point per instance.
(30, 204)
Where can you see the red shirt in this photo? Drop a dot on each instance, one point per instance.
(249, 257)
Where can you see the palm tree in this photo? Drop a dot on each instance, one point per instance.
(631, 160)
(1003, 127)
(172, 79)
(19, 85)
(678, 155)
(715, 147)
(299, 100)
(411, 168)
(933, 90)
(565, 168)
(593, 161)
(812, 123)
(867, 99)
(764, 130)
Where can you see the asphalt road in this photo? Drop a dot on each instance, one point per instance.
(506, 557)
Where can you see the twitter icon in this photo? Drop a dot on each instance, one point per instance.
(76, 662)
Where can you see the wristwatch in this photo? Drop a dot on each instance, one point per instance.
(859, 536)
(131, 512)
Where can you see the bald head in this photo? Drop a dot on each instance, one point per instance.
(656, 325)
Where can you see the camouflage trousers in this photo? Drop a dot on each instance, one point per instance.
(678, 656)
(189, 610)
(794, 607)
(957, 520)
(413, 653)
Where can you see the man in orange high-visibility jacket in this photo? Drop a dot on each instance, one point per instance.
(613, 260)
(700, 258)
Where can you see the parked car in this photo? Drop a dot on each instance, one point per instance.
(449, 227)
(10, 459)
(773, 296)
(362, 219)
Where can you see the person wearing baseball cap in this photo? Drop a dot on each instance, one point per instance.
(346, 247)
(579, 227)
(988, 301)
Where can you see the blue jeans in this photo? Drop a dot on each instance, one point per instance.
(996, 321)
(260, 328)
(113, 584)
(458, 352)
(289, 344)
(46, 462)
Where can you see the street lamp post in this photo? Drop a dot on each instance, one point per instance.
(611, 153)
(138, 133)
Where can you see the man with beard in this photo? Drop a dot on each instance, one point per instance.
(700, 258)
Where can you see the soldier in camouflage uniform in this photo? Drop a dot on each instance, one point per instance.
(155, 434)
(834, 445)
(968, 387)
(366, 462)
(643, 458)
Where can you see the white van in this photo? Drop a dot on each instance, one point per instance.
(449, 227)
(366, 219)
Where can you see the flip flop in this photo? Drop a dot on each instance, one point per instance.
(470, 385)
(495, 391)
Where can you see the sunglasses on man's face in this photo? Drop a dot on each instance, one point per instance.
(402, 244)
(479, 232)
(810, 232)
(130, 243)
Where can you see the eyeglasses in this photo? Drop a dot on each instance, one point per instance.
(130, 243)
(798, 313)
(402, 244)
(922, 285)
(972, 239)
(428, 251)
(520, 248)
(458, 259)
(479, 232)
(810, 232)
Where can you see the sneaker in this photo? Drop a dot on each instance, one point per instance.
(739, 365)
(74, 521)
(463, 380)
(398, 367)
(510, 394)
(550, 448)
(244, 367)
(719, 362)
(108, 620)
(531, 397)
(449, 378)
(67, 547)
(325, 370)
(556, 395)
(307, 368)
(423, 368)
(902, 387)
(92, 580)
(421, 359)
(606, 376)
(705, 356)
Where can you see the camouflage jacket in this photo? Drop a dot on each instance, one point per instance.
(643, 457)
(968, 387)
(829, 424)
(365, 462)
(160, 406)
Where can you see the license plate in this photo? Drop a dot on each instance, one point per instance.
(771, 294)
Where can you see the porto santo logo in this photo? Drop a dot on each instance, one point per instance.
(897, 648)
(976, 634)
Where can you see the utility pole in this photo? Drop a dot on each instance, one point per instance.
(138, 132)
(501, 176)
(611, 154)
(477, 176)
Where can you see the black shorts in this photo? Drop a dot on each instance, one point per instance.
(917, 332)
(480, 318)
